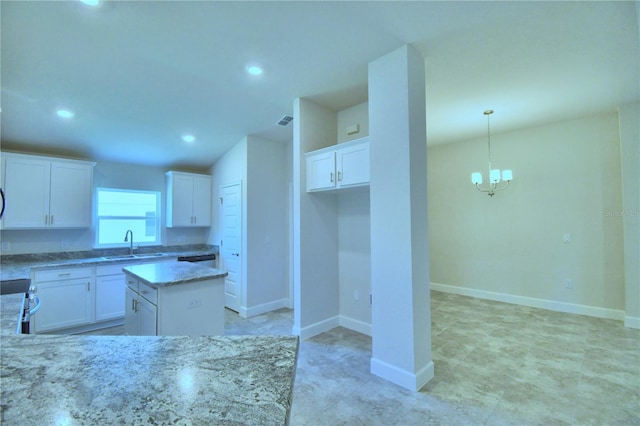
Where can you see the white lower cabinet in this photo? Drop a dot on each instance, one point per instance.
(190, 309)
(109, 297)
(67, 297)
(140, 315)
(81, 298)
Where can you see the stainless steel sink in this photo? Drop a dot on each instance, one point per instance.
(134, 256)
(121, 256)
(147, 255)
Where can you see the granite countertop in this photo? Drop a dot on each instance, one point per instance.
(173, 273)
(19, 266)
(147, 380)
(10, 312)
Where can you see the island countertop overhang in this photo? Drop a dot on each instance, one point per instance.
(201, 380)
(163, 274)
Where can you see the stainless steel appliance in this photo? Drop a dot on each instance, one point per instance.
(30, 302)
(31, 306)
(205, 259)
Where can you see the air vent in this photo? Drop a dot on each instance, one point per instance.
(286, 119)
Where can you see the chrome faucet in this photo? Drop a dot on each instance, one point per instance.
(126, 238)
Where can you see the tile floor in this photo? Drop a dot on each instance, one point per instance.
(495, 364)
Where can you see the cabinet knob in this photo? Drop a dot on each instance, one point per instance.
(235, 254)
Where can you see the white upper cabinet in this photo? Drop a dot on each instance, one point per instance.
(44, 192)
(188, 199)
(341, 166)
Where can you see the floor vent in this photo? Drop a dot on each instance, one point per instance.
(286, 119)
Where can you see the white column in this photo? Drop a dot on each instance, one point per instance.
(630, 161)
(401, 310)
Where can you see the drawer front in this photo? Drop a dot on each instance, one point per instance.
(148, 292)
(131, 282)
(63, 274)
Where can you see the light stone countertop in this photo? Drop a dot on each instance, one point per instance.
(19, 266)
(172, 273)
(82, 380)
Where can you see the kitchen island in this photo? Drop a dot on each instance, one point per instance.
(81, 380)
(174, 299)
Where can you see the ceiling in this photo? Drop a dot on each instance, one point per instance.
(138, 75)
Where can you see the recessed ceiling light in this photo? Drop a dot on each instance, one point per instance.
(254, 69)
(65, 113)
(188, 138)
(90, 2)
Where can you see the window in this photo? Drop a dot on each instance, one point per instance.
(119, 210)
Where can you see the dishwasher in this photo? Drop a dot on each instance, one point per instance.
(201, 259)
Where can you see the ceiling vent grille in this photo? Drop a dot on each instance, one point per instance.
(285, 120)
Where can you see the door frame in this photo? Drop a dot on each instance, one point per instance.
(242, 272)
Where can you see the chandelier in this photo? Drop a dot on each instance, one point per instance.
(494, 174)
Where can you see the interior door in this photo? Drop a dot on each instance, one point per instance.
(231, 244)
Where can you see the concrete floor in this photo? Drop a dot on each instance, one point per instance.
(495, 364)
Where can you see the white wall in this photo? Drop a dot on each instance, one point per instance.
(354, 248)
(261, 166)
(267, 225)
(358, 114)
(315, 243)
(108, 175)
(231, 168)
(566, 179)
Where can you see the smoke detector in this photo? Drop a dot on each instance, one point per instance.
(285, 120)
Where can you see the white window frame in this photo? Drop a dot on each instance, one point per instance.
(137, 243)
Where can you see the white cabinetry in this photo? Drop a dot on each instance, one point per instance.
(188, 309)
(341, 166)
(67, 298)
(110, 289)
(45, 192)
(140, 315)
(188, 199)
(77, 299)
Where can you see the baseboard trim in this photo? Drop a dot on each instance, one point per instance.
(252, 311)
(632, 322)
(355, 325)
(408, 380)
(552, 305)
(318, 328)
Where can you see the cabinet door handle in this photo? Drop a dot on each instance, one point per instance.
(134, 305)
(195, 220)
(51, 222)
(66, 274)
(88, 285)
(130, 282)
(332, 180)
(144, 292)
(46, 219)
(339, 176)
